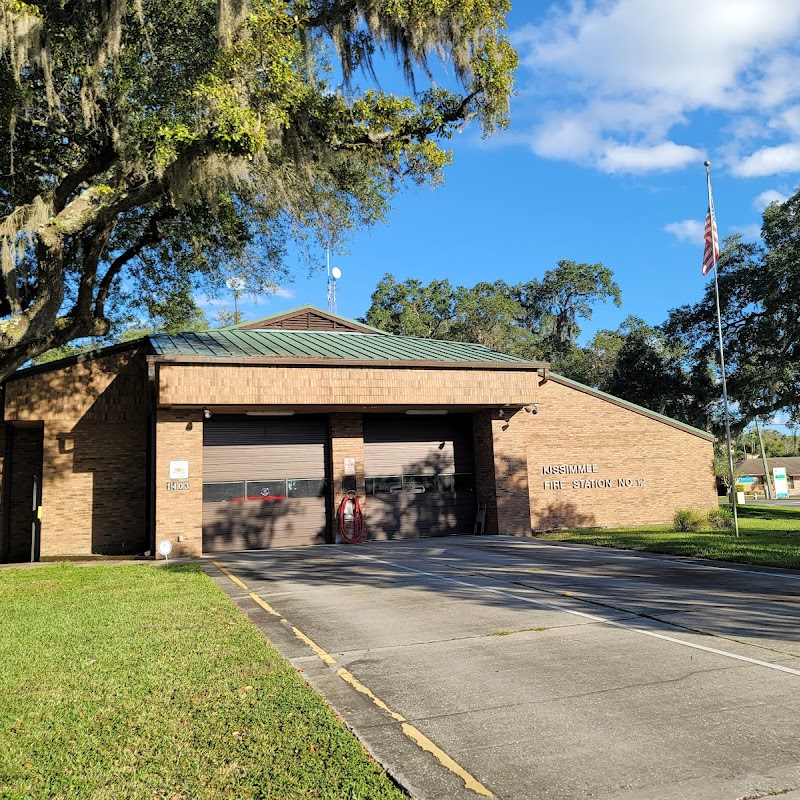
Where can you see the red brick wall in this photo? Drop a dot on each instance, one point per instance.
(668, 468)
(346, 441)
(179, 512)
(95, 417)
(485, 489)
(220, 385)
(511, 474)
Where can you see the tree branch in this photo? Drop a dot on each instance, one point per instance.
(152, 235)
(420, 131)
(93, 246)
(333, 13)
(95, 166)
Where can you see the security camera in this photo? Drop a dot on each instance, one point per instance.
(206, 413)
(534, 409)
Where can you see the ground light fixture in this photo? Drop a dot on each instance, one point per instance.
(165, 548)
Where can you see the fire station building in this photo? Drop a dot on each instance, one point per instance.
(248, 437)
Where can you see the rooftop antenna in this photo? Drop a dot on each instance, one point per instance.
(334, 273)
(236, 285)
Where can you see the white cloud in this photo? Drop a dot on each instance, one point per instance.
(788, 120)
(769, 161)
(286, 294)
(761, 201)
(564, 137)
(688, 230)
(629, 72)
(749, 232)
(206, 301)
(648, 158)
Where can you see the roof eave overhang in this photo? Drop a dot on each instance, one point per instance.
(278, 361)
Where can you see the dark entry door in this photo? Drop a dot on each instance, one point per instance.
(264, 482)
(24, 477)
(419, 475)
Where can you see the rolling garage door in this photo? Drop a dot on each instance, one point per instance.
(264, 482)
(419, 475)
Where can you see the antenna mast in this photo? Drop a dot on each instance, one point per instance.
(333, 275)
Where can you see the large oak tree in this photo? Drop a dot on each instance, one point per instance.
(759, 284)
(153, 148)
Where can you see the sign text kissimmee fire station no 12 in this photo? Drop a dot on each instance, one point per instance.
(584, 482)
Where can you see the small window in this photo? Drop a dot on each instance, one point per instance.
(390, 485)
(269, 491)
(447, 483)
(232, 492)
(419, 484)
(306, 487)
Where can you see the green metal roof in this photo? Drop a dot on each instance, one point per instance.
(347, 345)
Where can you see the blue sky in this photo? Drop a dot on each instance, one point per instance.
(618, 104)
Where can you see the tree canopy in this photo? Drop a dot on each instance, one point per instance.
(154, 149)
(538, 319)
(759, 286)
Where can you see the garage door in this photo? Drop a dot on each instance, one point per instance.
(419, 473)
(264, 482)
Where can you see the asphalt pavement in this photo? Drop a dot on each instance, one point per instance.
(530, 669)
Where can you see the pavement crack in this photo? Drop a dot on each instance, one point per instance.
(629, 612)
(422, 643)
(770, 793)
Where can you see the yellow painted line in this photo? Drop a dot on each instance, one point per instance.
(266, 606)
(359, 687)
(228, 574)
(328, 659)
(416, 735)
(426, 744)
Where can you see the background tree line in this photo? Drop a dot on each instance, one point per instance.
(671, 368)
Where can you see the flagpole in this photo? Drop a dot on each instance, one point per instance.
(722, 356)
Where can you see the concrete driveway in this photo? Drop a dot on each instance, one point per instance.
(530, 669)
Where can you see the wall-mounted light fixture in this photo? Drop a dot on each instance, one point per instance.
(533, 408)
(206, 413)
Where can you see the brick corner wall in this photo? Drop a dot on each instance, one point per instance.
(179, 510)
(92, 421)
(346, 434)
(637, 470)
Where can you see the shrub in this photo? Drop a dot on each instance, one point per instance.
(720, 518)
(687, 520)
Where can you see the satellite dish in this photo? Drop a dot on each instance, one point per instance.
(337, 273)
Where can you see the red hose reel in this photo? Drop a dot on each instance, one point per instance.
(350, 518)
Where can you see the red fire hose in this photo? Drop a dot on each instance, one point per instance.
(352, 527)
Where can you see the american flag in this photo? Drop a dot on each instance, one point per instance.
(711, 251)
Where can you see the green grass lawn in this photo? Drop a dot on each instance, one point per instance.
(769, 536)
(145, 682)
